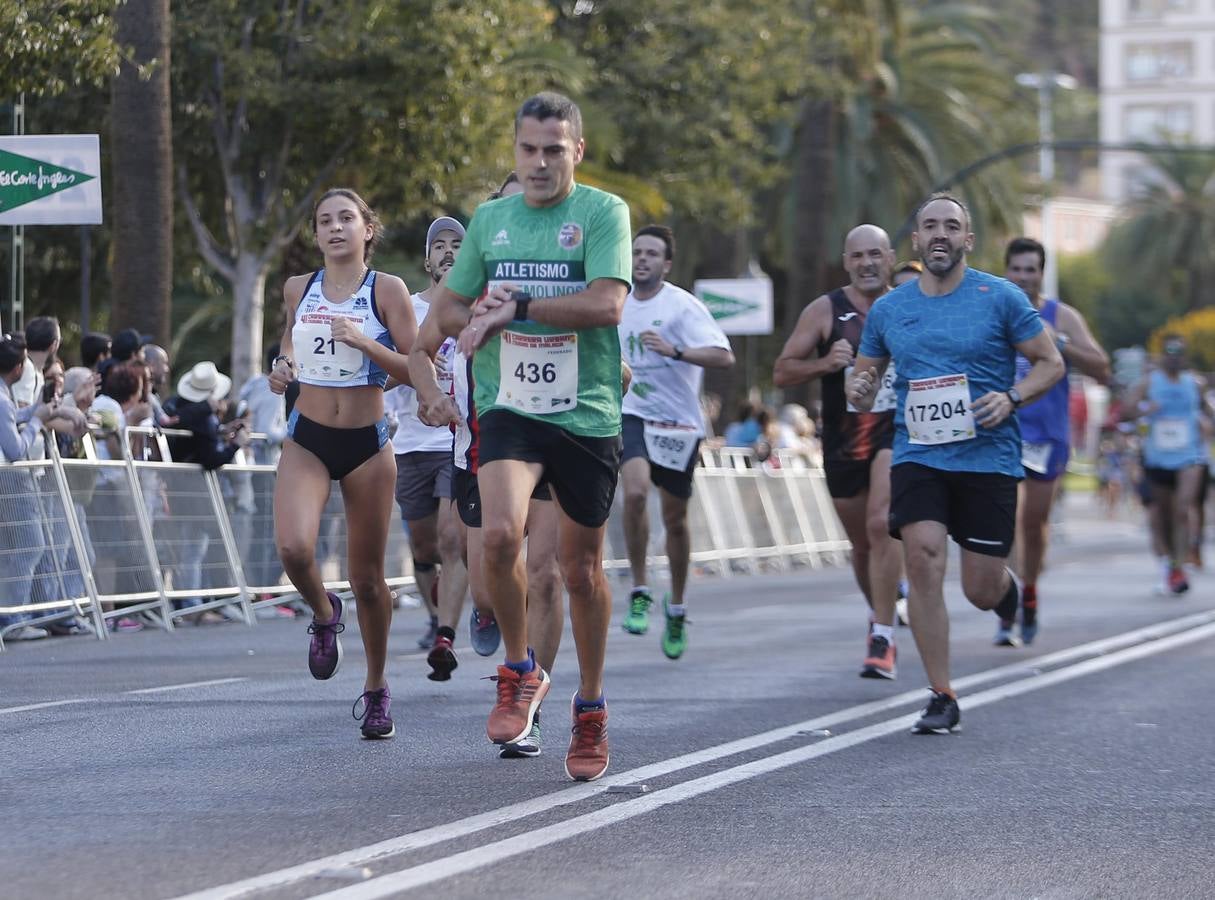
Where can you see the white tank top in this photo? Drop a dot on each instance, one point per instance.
(324, 362)
(412, 435)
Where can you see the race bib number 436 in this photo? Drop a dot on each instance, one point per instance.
(937, 410)
(538, 373)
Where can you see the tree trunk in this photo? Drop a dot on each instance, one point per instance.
(248, 316)
(813, 199)
(142, 174)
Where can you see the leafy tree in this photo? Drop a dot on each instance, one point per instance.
(1167, 239)
(1198, 329)
(275, 101)
(54, 45)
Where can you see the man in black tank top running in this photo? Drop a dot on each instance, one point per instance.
(856, 445)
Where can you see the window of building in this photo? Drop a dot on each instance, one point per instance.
(1154, 9)
(1157, 62)
(1158, 122)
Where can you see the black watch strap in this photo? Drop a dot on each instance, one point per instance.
(522, 302)
(1014, 396)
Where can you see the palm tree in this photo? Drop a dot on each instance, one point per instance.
(142, 149)
(1167, 238)
(911, 97)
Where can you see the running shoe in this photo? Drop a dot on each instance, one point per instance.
(941, 716)
(484, 633)
(587, 758)
(325, 651)
(1178, 584)
(442, 660)
(638, 619)
(376, 717)
(526, 748)
(674, 636)
(880, 659)
(1004, 635)
(427, 640)
(519, 696)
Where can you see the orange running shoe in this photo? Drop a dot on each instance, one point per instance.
(519, 697)
(1178, 583)
(587, 758)
(879, 661)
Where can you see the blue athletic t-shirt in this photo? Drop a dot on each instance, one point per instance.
(971, 331)
(1046, 419)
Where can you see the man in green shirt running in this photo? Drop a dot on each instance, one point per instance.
(541, 281)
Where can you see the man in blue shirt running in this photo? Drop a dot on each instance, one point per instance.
(1045, 426)
(953, 335)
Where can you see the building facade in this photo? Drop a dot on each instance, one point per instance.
(1157, 82)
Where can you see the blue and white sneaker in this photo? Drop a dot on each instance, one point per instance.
(484, 633)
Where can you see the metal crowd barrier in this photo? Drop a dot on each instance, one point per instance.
(107, 539)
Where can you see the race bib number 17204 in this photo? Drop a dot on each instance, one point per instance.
(937, 410)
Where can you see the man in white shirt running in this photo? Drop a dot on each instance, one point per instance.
(424, 477)
(668, 337)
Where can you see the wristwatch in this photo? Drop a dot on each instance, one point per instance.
(678, 354)
(287, 359)
(1061, 341)
(1015, 396)
(522, 300)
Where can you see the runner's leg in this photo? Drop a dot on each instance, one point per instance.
(924, 553)
(368, 519)
(506, 485)
(301, 490)
(545, 611)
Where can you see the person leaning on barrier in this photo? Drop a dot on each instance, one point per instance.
(200, 393)
(20, 517)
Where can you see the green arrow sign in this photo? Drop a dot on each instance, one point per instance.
(24, 180)
(723, 307)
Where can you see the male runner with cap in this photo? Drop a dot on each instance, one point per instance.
(1045, 427)
(669, 338)
(856, 443)
(424, 477)
(954, 335)
(552, 269)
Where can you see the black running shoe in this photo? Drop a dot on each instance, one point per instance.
(941, 716)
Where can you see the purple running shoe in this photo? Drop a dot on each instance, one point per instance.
(325, 651)
(376, 718)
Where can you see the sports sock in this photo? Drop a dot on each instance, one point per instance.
(883, 631)
(1007, 608)
(1029, 604)
(523, 667)
(445, 632)
(581, 705)
(640, 589)
(676, 609)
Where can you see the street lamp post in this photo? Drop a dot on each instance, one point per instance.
(1046, 84)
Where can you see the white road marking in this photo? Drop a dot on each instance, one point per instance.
(462, 827)
(479, 857)
(189, 684)
(17, 709)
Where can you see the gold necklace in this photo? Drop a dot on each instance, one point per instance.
(342, 290)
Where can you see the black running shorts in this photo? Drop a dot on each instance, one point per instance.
(979, 509)
(582, 471)
(676, 483)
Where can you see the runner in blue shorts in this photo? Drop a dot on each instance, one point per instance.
(953, 336)
(1045, 426)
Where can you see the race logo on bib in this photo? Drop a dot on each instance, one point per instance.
(569, 236)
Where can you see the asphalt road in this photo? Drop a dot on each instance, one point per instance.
(758, 765)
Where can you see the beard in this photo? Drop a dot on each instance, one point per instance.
(650, 282)
(942, 267)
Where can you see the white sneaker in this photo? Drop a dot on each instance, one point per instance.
(900, 610)
(28, 633)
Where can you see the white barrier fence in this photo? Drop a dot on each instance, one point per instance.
(102, 539)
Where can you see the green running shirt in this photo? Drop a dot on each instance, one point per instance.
(568, 378)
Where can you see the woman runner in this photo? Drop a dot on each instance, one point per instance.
(344, 325)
